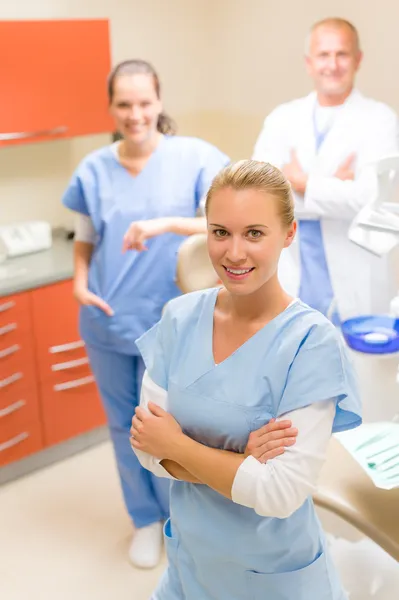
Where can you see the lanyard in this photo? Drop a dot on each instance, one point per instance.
(319, 136)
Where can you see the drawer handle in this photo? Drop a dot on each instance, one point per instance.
(12, 408)
(9, 380)
(71, 364)
(22, 135)
(11, 350)
(66, 347)
(6, 306)
(8, 328)
(14, 441)
(68, 385)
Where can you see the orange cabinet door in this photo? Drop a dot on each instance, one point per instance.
(17, 361)
(20, 443)
(69, 409)
(55, 316)
(19, 405)
(69, 397)
(21, 431)
(15, 314)
(53, 79)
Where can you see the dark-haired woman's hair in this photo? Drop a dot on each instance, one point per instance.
(133, 67)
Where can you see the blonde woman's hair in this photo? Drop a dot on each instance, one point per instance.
(260, 176)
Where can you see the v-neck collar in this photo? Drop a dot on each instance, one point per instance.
(210, 315)
(152, 157)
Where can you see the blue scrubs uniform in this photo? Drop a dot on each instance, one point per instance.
(136, 285)
(219, 550)
(315, 286)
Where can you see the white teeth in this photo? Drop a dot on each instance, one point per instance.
(238, 271)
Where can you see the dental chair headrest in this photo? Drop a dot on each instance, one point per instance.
(194, 268)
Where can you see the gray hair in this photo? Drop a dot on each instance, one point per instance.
(334, 23)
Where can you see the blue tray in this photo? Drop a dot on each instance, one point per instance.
(372, 334)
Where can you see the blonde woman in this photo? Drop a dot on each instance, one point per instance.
(220, 364)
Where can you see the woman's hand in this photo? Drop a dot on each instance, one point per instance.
(271, 440)
(87, 298)
(140, 231)
(155, 432)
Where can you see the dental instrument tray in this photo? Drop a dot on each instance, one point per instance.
(372, 334)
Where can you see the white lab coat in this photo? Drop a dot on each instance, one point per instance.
(364, 127)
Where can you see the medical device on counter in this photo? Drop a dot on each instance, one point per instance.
(24, 238)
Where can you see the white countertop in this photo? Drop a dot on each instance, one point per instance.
(38, 269)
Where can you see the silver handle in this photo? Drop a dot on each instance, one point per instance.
(12, 408)
(22, 135)
(14, 441)
(9, 380)
(68, 385)
(8, 328)
(7, 305)
(11, 350)
(66, 347)
(71, 364)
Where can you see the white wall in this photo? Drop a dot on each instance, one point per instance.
(224, 65)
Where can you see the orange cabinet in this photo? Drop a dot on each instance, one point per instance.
(21, 430)
(15, 314)
(53, 79)
(69, 397)
(57, 339)
(20, 444)
(70, 407)
(20, 420)
(47, 391)
(19, 405)
(17, 362)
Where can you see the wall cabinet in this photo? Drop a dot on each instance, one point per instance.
(53, 79)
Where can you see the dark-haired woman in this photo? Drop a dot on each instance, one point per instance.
(149, 174)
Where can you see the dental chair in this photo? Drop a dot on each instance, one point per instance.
(194, 268)
(345, 490)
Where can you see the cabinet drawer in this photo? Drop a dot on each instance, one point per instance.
(70, 408)
(20, 440)
(15, 315)
(56, 329)
(68, 368)
(18, 405)
(65, 366)
(16, 356)
(16, 381)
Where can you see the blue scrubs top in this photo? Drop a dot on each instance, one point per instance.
(137, 285)
(218, 549)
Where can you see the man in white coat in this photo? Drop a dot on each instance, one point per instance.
(326, 143)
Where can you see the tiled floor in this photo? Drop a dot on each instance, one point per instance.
(64, 536)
